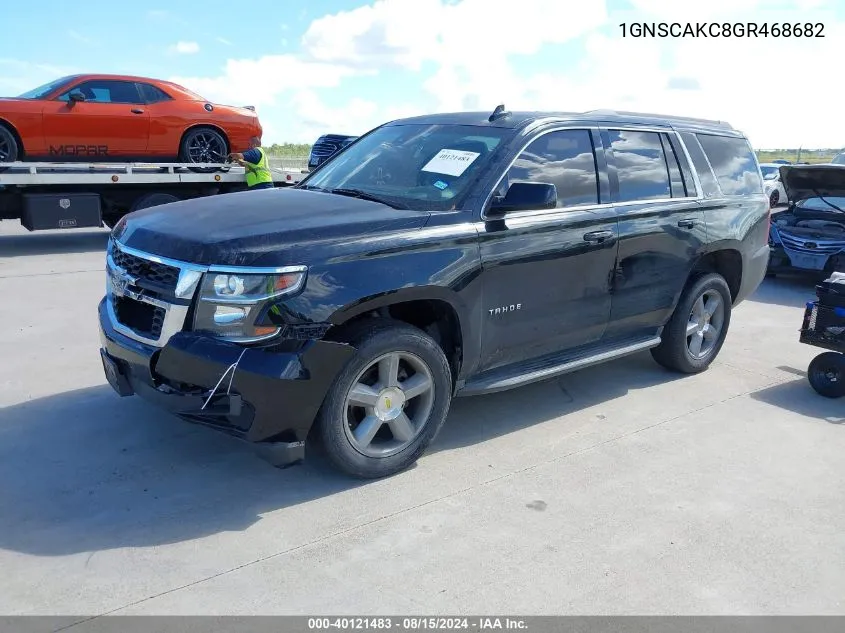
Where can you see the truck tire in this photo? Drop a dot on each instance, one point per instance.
(388, 403)
(152, 200)
(826, 374)
(696, 331)
(9, 150)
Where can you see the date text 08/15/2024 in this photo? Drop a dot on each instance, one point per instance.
(722, 29)
(416, 623)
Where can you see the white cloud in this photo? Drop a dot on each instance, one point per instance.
(223, 41)
(474, 54)
(185, 48)
(76, 35)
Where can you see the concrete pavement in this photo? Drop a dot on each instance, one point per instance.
(622, 489)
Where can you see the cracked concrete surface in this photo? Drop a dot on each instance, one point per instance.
(621, 489)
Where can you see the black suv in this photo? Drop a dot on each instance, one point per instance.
(327, 146)
(452, 254)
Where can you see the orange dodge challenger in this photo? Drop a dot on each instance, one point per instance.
(100, 118)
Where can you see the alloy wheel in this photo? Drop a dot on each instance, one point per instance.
(389, 404)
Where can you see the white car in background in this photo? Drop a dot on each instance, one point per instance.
(772, 184)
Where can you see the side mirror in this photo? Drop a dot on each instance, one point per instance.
(526, 196)
(76, 96)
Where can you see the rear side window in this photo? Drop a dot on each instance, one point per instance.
(734, 164)
(564, 158)
(705, 174)
(152, 94)
(641, 165)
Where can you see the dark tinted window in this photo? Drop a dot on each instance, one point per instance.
(564, 159)
(683, 163)
(676, 182)
(640, 165)
(106, 91)
(152, 94)
(734, 164)
(705, 175)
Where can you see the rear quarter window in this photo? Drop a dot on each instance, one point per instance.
(709, 186)
(734, 164)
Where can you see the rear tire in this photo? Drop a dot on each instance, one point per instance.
(694, 335)
(204, 145)
(388, 403)
(9, 150)
(826, 374)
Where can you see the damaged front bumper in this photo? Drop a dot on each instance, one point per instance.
(265, 395)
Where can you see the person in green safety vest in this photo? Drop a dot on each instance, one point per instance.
(256, 167)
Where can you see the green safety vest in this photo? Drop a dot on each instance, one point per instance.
(259, 172)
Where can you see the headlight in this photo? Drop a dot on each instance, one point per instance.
(231, 302)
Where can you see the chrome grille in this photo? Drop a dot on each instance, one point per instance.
(148, 296)
(159, 274)
(802, 244)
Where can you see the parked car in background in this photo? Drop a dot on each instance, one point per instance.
(810, 234)
(443, 255)
(772, 184)
(327, 146)
(781, 161)
(121, 118)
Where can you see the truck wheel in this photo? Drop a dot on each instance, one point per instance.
(152, 200)
(8, 146)
(826, 374)
(388, 403)
(695, 333)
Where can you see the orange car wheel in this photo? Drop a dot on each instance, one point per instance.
(9, 150)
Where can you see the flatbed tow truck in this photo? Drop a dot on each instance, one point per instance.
(90, 195)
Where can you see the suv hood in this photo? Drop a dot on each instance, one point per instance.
(270, 227)
(802, 182)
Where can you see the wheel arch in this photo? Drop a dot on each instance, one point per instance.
(725, 261)
(434, 310)
(14, 132)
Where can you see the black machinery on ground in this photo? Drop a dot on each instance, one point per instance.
(824, 326)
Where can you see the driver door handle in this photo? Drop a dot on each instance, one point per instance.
(137, 111)
(597, 237)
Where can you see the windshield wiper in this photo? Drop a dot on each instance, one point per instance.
(827, 202)
(363, 195)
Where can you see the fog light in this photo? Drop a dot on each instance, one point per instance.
(227, 315)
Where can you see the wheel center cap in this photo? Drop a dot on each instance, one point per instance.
(389, 404)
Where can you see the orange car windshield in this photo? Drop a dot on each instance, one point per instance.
(42, 91)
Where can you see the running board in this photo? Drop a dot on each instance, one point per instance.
(537, 370)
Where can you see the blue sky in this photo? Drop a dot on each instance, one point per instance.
(348, 65)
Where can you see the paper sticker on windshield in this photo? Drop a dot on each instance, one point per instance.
(451, 162)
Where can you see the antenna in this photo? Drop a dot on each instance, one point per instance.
(498, 113)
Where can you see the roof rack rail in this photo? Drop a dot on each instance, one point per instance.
(667, 117)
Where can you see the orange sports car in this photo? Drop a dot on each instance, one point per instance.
(116, 117)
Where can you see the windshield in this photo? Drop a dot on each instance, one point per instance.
(817, 204)
(839, 159)
(769, 171)
(42, 91)
(414, 166)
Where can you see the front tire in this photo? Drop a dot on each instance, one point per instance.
(388, 403)
(826, 374)
(695, 333)
(774, 198)
(9, 150)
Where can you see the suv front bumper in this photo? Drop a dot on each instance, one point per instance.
(257, 394)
